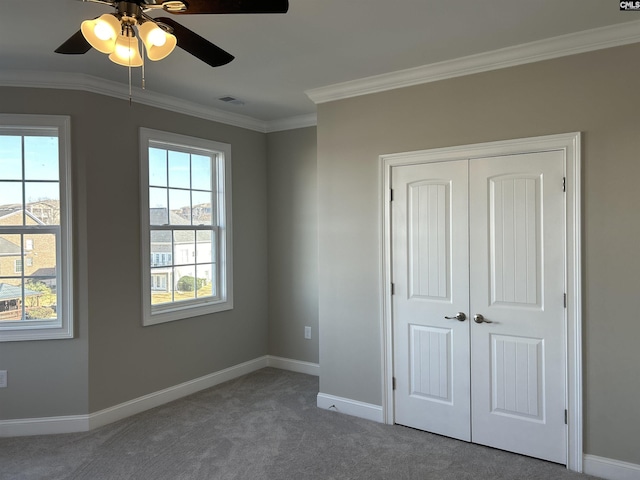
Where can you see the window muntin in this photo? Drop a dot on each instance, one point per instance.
(35, 228)
(186, 226)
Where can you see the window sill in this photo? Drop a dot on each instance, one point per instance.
(187, 311)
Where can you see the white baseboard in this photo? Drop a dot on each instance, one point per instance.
(294, 365)
(350, 407)
(609, 468)
(83, 423)
(24, 427)
(155, 399)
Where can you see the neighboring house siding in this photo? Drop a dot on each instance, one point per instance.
(39, 250)
(35, 258)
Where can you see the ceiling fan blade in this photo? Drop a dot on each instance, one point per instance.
(75, 45)
(235, 6)
(196, 45)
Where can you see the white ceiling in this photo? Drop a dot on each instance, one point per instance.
(316, 44)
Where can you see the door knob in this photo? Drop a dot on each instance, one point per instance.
(461, 317)
(478, 318)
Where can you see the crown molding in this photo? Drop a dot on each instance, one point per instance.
(291, 123)
(571, 44)
(88, 83)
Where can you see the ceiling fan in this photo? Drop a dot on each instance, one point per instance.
(115, 33)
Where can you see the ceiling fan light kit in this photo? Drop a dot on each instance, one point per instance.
(157, 42)
(126, 52)
(102, 32)
(115, 33)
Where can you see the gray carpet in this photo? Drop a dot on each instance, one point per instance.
(262, 426)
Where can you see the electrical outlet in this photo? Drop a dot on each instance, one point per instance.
(307, 332)
(3, 379)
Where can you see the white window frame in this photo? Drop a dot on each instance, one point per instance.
(62, 326)
(155, 314)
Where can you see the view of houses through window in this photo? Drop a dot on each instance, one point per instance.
(29, 227)
(186, 226)
(182, 237)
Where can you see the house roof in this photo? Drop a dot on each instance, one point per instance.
(45, 272)
(158, 216)
(7, 211)
(12, 292)
(8, 248)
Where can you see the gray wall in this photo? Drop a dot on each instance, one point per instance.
(127, 360)
(113, 358)
(293, 243)
(50, 378)
(592, 93)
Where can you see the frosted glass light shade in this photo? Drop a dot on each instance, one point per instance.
(158, 43)
(102, 32)
(126, 52)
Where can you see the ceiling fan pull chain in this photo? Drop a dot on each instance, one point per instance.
(144, 56)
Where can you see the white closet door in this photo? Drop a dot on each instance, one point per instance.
(483, 237)
(431, 281)
(517, 283)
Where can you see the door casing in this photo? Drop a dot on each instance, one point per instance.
(570, 144)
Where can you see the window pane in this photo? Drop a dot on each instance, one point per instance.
(200, 172)
(158, 207)
(179, 170)
(201, 212)
(10, 251)
(160, 248)
(43, 202)
(40, 298)
(185, 283)
(11, 203)
(43, 255)
(205, 247)
(180, 207)
(157, 167)
(184, 247)
(41, 158)
(11, 157)
(11, 304)
(161, 285)
(205, 281)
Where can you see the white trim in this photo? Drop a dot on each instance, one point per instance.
(354, 408)
(610, 469)
(88, 83)
(221, 178)
(64, 328)
(564, 45)
(291, 123)
(83, 423)
(570, 143)
(573, 277)
(24, 427)
(155, 399)
(294, 365)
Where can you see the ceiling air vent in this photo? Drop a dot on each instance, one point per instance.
(231, 100)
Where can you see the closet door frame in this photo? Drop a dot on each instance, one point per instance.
(570, 144)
